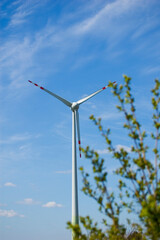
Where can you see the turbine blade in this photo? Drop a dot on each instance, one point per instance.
(90, 96)
(78, 131)
(69, 104)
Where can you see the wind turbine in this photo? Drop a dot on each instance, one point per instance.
(74, 106)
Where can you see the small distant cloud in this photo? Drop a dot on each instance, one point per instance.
(9, 213)
(119, 147)
(28, 201)
(51, 205)
(103, 151)
(64, 172)
(9, 184)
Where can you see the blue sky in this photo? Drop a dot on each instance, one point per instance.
(72, 48)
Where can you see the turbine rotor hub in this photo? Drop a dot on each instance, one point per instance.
(74, 106)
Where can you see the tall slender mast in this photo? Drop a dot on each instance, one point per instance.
(75, 216)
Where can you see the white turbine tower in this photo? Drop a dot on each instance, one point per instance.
(75, 123)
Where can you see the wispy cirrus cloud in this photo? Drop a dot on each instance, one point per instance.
(143, 28)
(15, 138)
(111, 11)
(151, 70)
(60, 39)
(23, 9)
(61, 129)
(18, 138)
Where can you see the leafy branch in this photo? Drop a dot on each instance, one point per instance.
(142, 195)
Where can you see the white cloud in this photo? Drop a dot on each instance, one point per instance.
(9, 213)
(51, 205)
(119, 147)
(9, 184)
(28, 201)
(103, 151)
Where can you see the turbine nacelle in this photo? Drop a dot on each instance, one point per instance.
(74, 106)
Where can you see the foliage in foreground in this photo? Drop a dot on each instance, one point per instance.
(139, 183)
